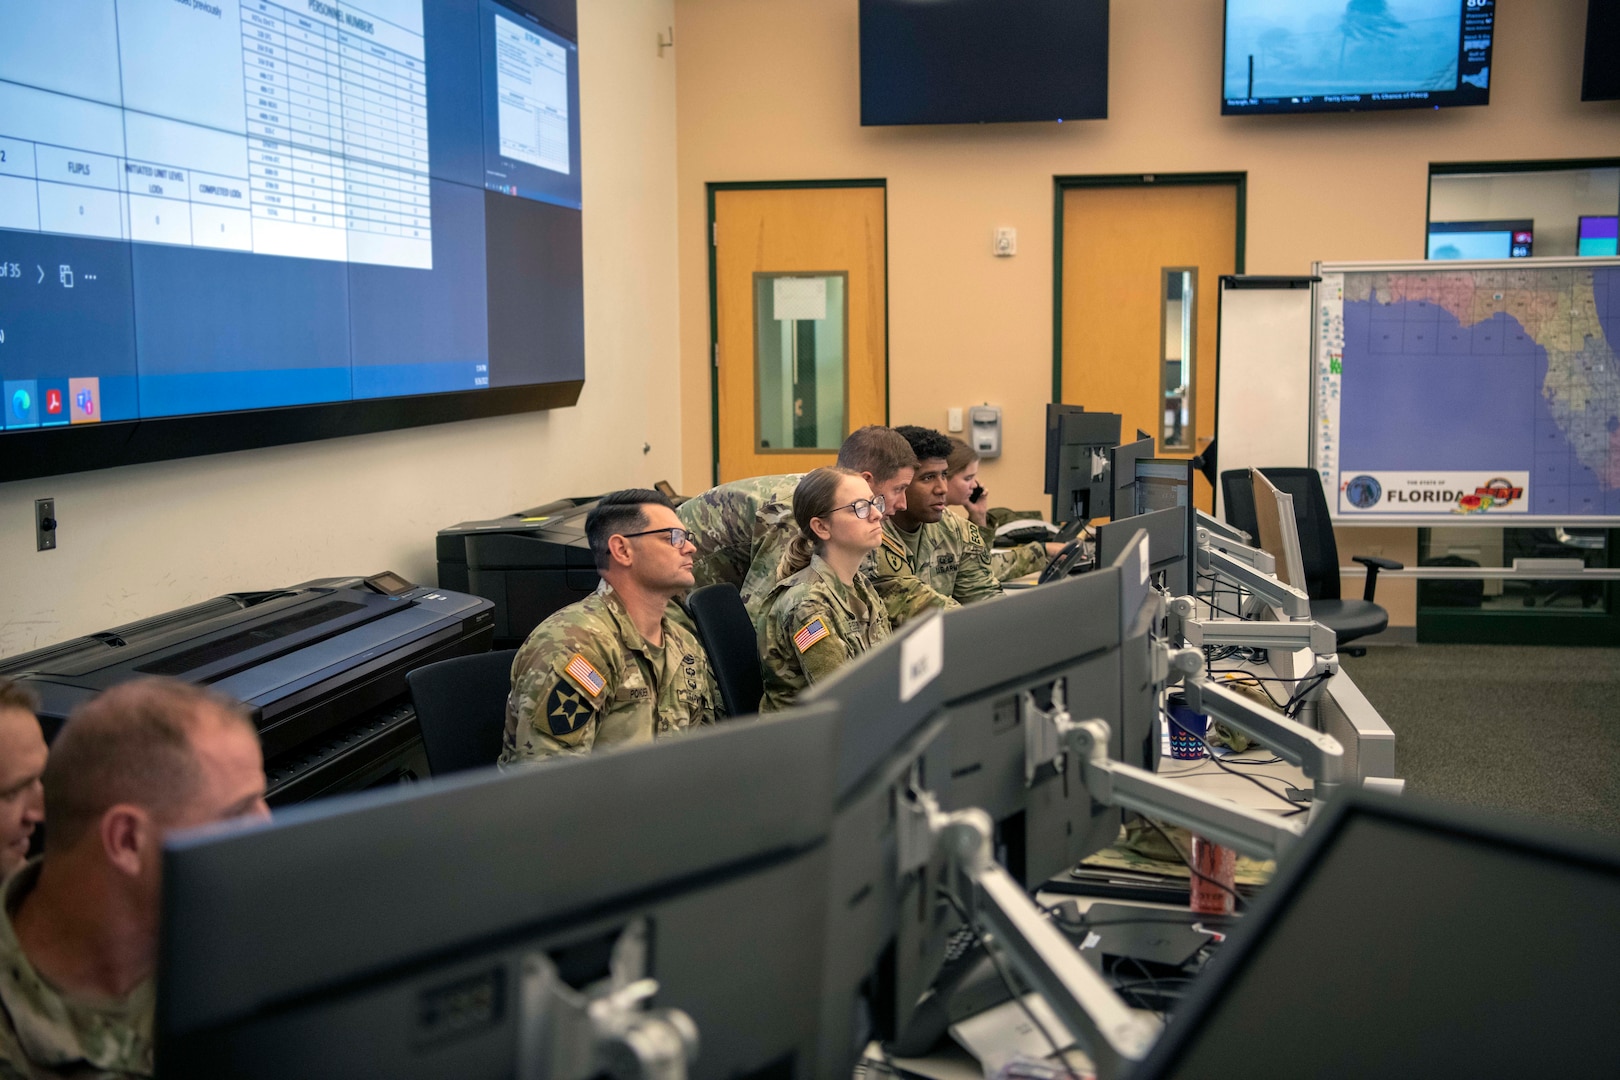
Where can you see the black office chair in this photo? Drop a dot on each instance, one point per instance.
(1319, 551)
(728, 637)
(461, 705)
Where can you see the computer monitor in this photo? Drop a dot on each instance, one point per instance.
(960, 733)
(1168, 546)
(1599, 234)
(394, 934)
(1481, 239)
(1077, 477)
(1437, 943)
(1122, 464)
(1161, 483)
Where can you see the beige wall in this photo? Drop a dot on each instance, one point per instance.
(140, 540)
(769, 89)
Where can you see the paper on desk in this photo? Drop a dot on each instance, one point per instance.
(997, 1036)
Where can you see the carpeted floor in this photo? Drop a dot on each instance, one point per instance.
(1532, 731)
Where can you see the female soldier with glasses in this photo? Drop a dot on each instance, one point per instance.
(822, 612)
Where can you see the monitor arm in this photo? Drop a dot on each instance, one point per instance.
(1216, 528)
(1020, 934)
(1293, 603)
(1251, 633)
(1318, 755)
(568, 1034)
(1114, 783)
(1206, 536)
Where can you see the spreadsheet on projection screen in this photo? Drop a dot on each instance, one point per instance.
(295, 129)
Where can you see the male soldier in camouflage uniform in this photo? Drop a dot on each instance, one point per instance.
(742, 528)
(79, 925)
(615, 668)
(22, 763)
(945, 553)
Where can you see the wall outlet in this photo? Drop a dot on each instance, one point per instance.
(953, 419)
(44, 524)
(1006, 242)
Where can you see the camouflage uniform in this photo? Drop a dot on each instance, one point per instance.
(45, 1033)
(1008, 563)
(586, 678)
(813, 624)
(742, 529)
(736, 525)
(949, 558)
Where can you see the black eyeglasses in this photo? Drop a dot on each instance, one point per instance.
(677, 537)
(862, 507)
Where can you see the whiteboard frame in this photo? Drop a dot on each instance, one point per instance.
(1421, 521)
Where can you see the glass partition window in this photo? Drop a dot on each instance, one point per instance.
(1179, 342)
(1522, 210)
(800, 374)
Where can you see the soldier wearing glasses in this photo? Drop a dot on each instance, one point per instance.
(822, 612)
(614, 669)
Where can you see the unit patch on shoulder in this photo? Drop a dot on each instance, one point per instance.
(810, 633)
(566, 709)
(589, 679)
(894, 561)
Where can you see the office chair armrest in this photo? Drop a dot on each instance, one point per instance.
(1374, 564)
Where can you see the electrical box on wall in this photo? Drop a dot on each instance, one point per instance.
(984, 430)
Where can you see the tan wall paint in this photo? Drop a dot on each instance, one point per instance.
(769, 89)
(144, 539)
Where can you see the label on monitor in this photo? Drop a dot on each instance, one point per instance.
(922, 657)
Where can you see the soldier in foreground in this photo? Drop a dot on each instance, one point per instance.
(947, 554)
(742, 528)
(615, 669)
(823, 612)
(22, 764)
(79, 925)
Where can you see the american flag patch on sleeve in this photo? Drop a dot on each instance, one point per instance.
(589, 679)
(810, 633)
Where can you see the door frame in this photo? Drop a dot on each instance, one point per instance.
(711, 188)
(1062, 184)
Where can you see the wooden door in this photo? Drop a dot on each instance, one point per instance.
(1119, 245)
(765, 241)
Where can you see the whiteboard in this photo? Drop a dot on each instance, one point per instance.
(1263, 365)
(1460, 393)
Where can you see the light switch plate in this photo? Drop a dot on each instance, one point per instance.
(1006, 242)
(953, 419)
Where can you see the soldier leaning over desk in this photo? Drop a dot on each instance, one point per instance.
(615, 668)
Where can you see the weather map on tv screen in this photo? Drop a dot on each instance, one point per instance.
(1340, 55)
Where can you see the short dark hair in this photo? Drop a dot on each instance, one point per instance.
(926, 442)
(617, 513)
(877, 450)
(129, 744)
(16, 695)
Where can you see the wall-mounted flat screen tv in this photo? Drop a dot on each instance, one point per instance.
(235, 223)
(983, 61)
(1601, 79)
(1287, 56)
(1481, 239)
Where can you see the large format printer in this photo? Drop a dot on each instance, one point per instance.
(321, 665)
(529, 564)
